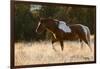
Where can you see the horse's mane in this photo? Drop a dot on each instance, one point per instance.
(47, 19)
(51, 20)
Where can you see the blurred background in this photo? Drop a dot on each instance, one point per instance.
(27, 18)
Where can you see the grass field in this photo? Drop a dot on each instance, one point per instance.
(41, 52)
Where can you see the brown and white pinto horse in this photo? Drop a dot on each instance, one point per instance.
(78, 31)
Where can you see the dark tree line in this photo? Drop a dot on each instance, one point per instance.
(27, 17)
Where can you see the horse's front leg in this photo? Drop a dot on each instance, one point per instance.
(62, 45)
(53, 41)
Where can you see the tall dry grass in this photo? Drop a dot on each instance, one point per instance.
(42, 53)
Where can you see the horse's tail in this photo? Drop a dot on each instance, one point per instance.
(88, 37)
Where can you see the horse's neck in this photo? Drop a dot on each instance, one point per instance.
(52, 28)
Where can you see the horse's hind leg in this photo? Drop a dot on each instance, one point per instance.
(88, 38)
(62, 45)
(85, 36)
(81, 42)
(88, 43)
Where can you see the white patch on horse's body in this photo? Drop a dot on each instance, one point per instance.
(38, 26)
(62, 25)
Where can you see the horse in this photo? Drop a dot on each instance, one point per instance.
(78, 31)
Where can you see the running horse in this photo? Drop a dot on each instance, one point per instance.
(78, 31)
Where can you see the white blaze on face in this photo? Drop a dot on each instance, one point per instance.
(62, 25)
(38, 26)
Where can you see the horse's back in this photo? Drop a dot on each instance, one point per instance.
(79, 29)
(76, 27)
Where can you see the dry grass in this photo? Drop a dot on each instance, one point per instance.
(42, 53)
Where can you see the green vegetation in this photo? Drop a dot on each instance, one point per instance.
(27, 17)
